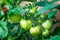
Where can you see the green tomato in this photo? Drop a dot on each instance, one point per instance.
(45, 33)
(47, 24)
(42, 15)
(27, 9)
(14, 18)
(40, 21)
(25, 24)
(35, 31)
(1, 1)
(33, 10)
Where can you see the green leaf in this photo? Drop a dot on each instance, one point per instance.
(51, 14)
(45, 3)
(3, 30)
(56, 37)
(42, 3)
(17, 11)
(8, 3)
(10, 26)
(20, 31)
(57, 31)
(53, 0)
(13, 0)
(10, 38)
(45, 8)
(0, 14)
(0, 7)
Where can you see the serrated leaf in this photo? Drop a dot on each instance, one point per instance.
(45, 2)
(17, 11)
(45, 8)
(3, 29)
(42, 3)
(51, 14)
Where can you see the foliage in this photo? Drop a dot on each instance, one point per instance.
(3, 29)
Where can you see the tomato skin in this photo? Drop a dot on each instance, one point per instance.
(25, 24)
(46, 33)
(47, 24)
(35, 31)
(33, 10)
(14, 18)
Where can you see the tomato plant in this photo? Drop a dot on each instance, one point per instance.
(28, 20)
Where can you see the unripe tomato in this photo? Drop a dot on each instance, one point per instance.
(33, 10)
(40, 21)
(45, 33)
(1, 1)
(14, 18)
(25, 24)
(42, 15)
(47, 24)
(35, 31)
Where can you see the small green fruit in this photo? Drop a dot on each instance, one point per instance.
(25, 24)
(47, 24)
(14, 18)
(42, 15)
(33, 10)
(46, 33)
(35, 31)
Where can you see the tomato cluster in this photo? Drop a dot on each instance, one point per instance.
(36, 26)
(36, 30)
